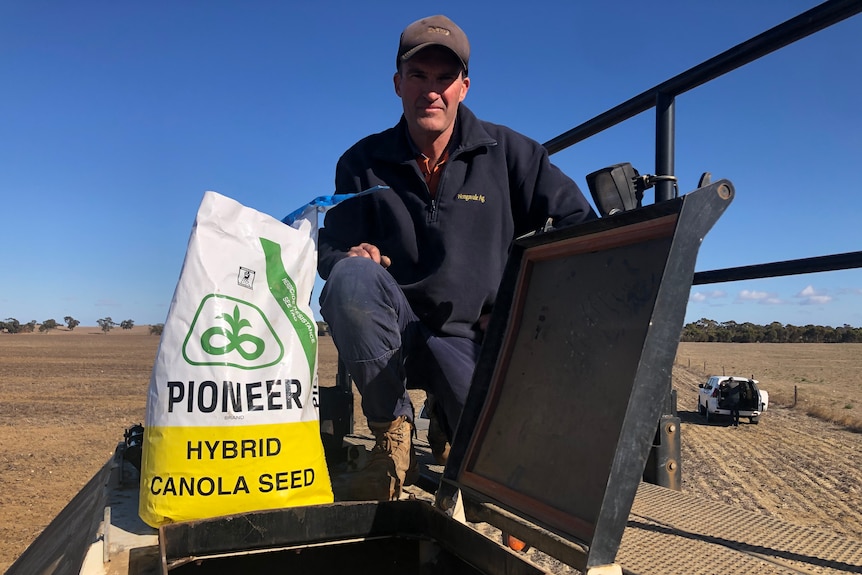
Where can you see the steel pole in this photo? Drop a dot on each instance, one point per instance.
(664, 145)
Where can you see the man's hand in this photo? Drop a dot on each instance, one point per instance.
(369, 251)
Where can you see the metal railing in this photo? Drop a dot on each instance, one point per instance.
(662, 98)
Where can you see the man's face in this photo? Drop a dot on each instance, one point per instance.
(431, 86)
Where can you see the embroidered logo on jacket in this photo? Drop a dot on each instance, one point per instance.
(471, 197)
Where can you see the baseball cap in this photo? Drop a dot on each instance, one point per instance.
(433, 30)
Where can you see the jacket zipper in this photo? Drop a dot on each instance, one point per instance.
(432, 211)
(432, 205)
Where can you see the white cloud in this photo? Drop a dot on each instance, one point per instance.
(701, 297)
(758, 297)
(808, 291)
(751, 295)
(811, 296)
(816, 300)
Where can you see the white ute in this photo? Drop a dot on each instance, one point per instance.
(712, 398)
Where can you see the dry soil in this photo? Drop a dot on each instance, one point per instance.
(67, 397)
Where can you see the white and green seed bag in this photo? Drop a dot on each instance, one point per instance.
(232, 421)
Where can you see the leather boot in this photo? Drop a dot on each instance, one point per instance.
(391, 464)
(437, 439)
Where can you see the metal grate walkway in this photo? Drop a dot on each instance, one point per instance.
(673, 532)
(670, 532)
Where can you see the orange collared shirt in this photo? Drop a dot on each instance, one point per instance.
(432, 173)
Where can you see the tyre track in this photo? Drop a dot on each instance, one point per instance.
(803, 470)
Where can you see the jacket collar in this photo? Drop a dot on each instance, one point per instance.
(468, 130)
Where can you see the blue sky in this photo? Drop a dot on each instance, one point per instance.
(116, 117)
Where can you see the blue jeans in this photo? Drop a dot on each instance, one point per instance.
(386, 347)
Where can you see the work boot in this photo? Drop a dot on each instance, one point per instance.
(391, 464)
(437, 440)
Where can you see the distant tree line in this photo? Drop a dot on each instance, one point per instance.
(729, 331)
(702, 330)
(12, 325)
(106, 324)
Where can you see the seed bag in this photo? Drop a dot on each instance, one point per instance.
(232, 420)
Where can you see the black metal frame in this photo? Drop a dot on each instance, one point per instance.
(626, 352)
(662, 98)
(407, 536)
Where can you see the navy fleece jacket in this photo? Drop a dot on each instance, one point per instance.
(448, 254)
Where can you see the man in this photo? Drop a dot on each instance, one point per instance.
(733, 393)
(412, 270)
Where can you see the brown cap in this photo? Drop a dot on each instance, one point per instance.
(433, 30)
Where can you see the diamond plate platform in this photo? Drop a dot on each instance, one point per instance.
(673, 532)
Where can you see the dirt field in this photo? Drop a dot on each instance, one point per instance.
(802, 469)
(68, 396)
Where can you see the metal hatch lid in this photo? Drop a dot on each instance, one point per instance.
(574, 370)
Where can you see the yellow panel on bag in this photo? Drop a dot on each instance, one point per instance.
(194, 472)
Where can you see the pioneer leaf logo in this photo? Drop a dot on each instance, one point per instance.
(233, 338)
(231, 332)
